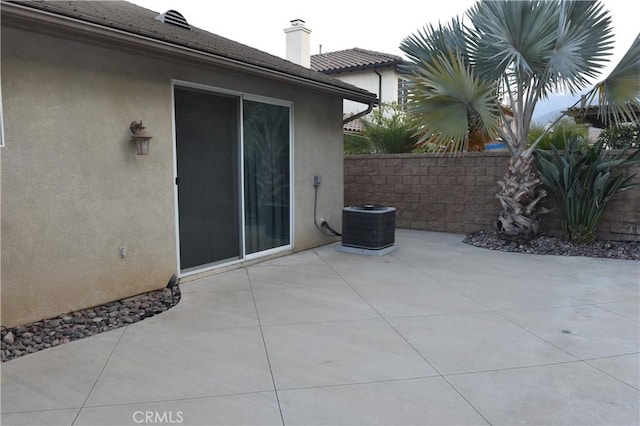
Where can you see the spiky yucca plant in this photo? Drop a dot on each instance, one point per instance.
(514, 53)
(584, 178)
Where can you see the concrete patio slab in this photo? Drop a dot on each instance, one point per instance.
(630, 309)
(251, 408)
(423, 297)
(429, 401)
(57, 378)
(585, 331)
(624, 368)
(310, 304)
(490, 342)
(565, 394)
(209, 310)
(436, 332)
(51, 417)
(340, 352)
(177, 365)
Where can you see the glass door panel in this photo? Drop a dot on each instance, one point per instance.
(266, 176)
(207, 140)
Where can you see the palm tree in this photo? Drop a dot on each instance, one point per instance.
(489, 75)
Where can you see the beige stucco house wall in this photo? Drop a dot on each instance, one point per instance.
(73, 190)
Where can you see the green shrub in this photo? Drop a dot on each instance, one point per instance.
(563, 131)
(620, 137)
(386, 130)
(355, 144)
(584, 178)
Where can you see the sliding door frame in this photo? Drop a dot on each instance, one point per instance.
(241, 188)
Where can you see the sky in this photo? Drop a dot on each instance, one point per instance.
(338, 25)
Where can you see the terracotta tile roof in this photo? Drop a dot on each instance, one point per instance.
(352, 60)
(131, 18)
(354, 126)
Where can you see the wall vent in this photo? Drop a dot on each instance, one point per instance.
(174, 17)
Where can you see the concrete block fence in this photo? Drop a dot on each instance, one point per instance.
(458, 194)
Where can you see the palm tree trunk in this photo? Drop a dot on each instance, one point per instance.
(519, 195)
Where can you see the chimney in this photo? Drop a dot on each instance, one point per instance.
(298, 43)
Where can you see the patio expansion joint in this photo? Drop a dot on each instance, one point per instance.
(599, 306)
(266, 350)
(99, 375)
(46, 410)
(367, 382)
(193, 330)
(586, 361)
(521, 367)
(191, 398)
(333, 321)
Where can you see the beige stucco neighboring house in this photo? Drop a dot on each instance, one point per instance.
(237, 136)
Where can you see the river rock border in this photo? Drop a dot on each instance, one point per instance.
(36, 336)
(543, 244)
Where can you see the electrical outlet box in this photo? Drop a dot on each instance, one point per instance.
(316, 180)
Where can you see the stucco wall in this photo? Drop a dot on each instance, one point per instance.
(458, 194)
(74, 191)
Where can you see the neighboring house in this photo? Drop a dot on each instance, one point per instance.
(237, 137)
(373, 71)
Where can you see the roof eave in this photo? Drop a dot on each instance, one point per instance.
(360, 68)
(55, 24)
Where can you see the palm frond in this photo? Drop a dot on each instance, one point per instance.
(429, 41)
(450, 102)
(619, 93)
(512, 36)
(584, 41)
(549, 45)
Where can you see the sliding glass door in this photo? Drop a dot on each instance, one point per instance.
(233, 161)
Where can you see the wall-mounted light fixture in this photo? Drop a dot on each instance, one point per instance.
(140, 136)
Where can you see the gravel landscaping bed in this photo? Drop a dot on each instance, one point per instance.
(34, 337)
(626, 250)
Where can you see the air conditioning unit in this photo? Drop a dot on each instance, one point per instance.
(368, 227)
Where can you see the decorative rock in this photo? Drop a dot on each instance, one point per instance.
(543, 244)
(8, 338)
(40, 335)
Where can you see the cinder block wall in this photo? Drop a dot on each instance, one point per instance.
(458, 194)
